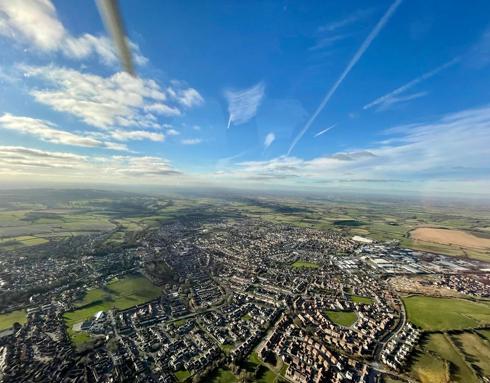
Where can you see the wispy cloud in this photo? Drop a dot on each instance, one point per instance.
(388, 103)
(269, 139)
(479, 54)
(137, 135)
(191, 141)
(364, 46)
(330, 34)
(430, 151)
(243, 104)
(349, 20)
(327, 42)
(106, 102)
(325, 130)
(393, 97)
(226, 161)
(36, 24)
(49, 132)
(19, 160)
(188, 97)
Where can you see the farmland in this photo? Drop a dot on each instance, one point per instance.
(450, 237)
(476, 350)
(95, 237)
(65, 214)
(446, 356)
(441, 362)
(376, 219)
(442, 314)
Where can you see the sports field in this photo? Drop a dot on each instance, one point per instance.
(442, 314)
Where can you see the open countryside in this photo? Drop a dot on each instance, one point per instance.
(451, 237)
(142, 286)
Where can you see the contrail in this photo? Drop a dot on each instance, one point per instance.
(324, 130)
(229, 122)
(364, 46)
(410, 84)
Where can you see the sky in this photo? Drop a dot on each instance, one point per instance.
(390, 96)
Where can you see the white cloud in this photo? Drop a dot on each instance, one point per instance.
(419, 152)
(49, 132)
(269, 139)
(162, 109)
(18, 161)
(136, 135)
(103, 102)
(21, 158)
(140, 166)
(357, 56)
(243, 104)
(36, 23)
(191, 141)
(187, 97)
(395, 96)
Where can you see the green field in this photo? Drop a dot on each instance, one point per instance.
(380, 220)
(222, 376)
(265, 375)
(485, 333)
(348, 222)
(227, 348)
(476, 349)
(64, 213)
(8, 319)
(360, 299)
(118, 293)
(305, 265)
(430, 368)
(442, 314)
(389, 379)
(182, 375)
(342, 318)
(441, 362)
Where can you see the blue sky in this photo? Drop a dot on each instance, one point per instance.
(382, 95)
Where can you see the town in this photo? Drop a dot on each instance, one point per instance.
(233, 296)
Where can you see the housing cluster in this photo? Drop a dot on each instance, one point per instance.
(241, 296)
